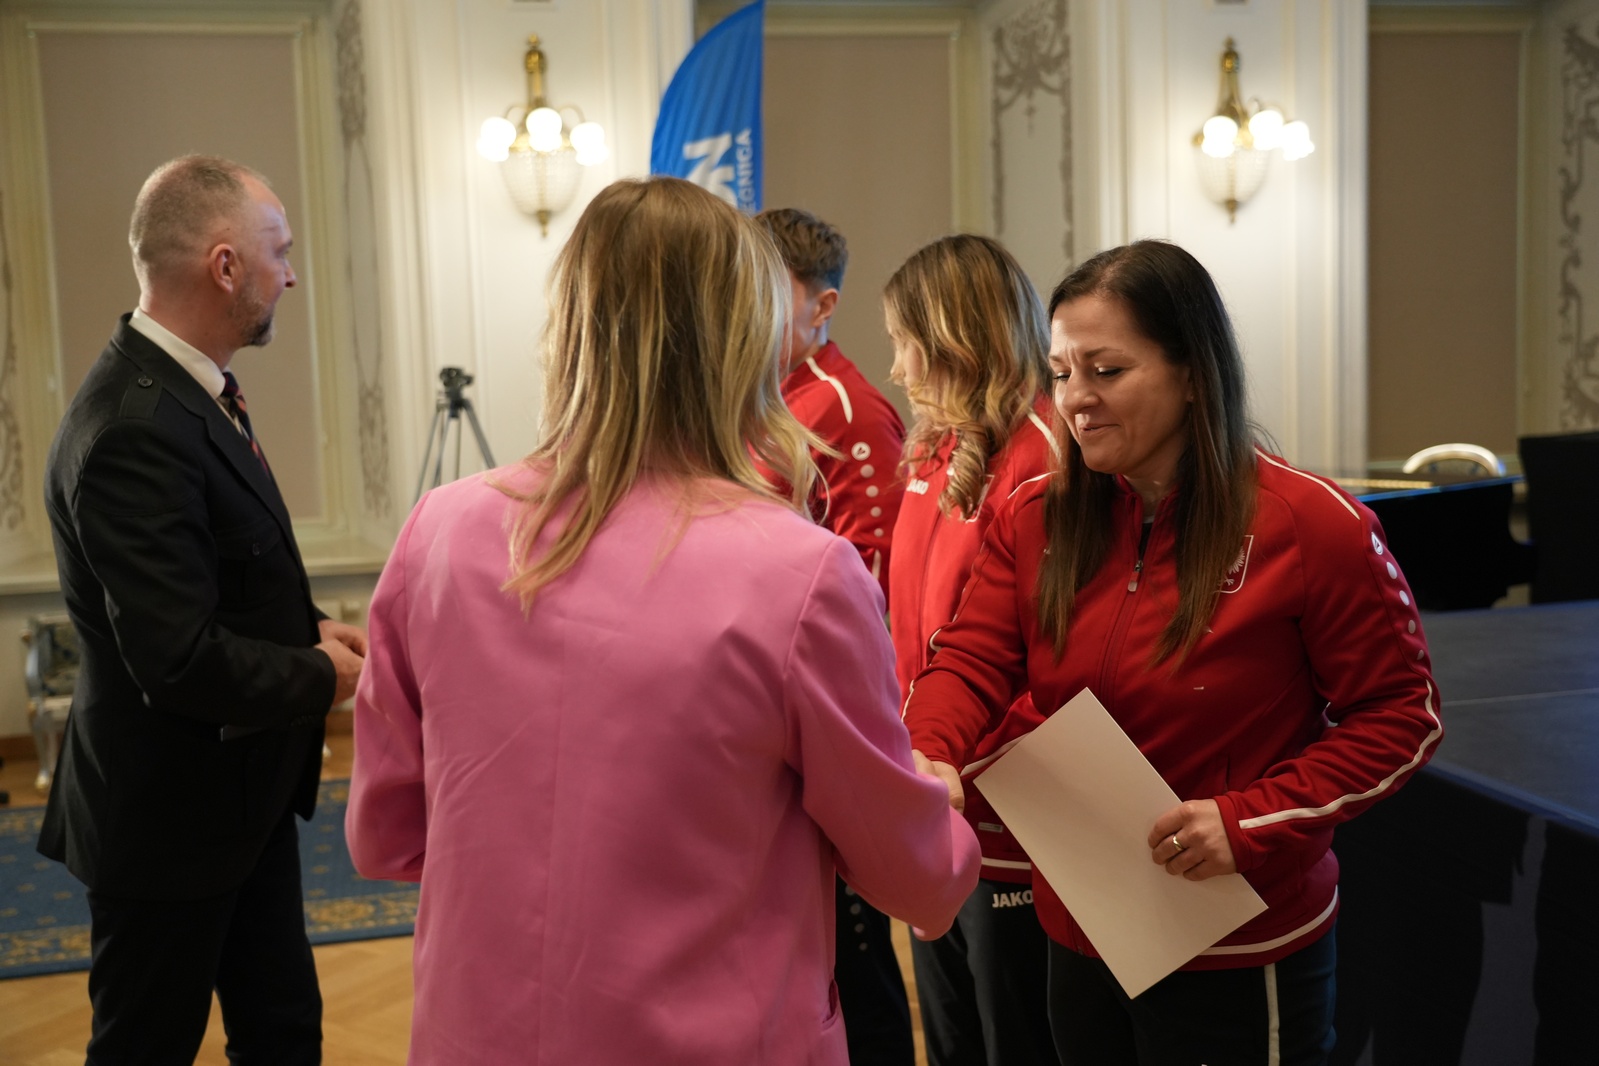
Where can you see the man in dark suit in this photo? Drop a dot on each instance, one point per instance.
(206, 672)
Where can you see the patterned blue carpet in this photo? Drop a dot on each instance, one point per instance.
(44, 919)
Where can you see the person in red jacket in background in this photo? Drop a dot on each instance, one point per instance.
(1243, 622)
(860, 491)
(858, 498)
(970, 348)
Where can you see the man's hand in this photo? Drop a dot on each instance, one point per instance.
(346, 646)
(352, 637)
(945, 773)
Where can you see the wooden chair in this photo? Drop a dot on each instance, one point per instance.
(51, 673)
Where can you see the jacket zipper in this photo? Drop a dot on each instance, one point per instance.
(1118, 629)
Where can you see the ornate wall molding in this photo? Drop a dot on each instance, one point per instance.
(360, 212)
(1579, 78)
(1032, 57)
(10, 430)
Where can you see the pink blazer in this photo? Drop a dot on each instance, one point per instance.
(626, 807)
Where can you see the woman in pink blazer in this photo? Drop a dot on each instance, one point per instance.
(625, 710)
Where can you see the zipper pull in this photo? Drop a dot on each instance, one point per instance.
(1132, 586)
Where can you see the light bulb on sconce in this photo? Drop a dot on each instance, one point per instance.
(589, 140)
(1235, 144)
(542, 152)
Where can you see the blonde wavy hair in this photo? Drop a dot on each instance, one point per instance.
(667, 318)
(965, 302)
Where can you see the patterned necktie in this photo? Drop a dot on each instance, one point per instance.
(234, 399)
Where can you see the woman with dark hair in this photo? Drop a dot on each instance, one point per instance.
(1242, 621)
(970, 347)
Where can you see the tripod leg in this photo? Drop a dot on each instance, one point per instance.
(477, 431)
(436, 432)
(459, 433)
(444, 435)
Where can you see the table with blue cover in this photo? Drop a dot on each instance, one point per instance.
(1469, 931)
(1451, 533)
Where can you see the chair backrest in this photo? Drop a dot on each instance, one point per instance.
(52, 664)
(1475, 454)
(1562, 472)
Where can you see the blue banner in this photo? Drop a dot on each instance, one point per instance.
(709, 128)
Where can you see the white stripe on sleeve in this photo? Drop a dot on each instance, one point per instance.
(1382, 786)
(838, 387)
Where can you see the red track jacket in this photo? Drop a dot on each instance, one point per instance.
(859, 495)
(1309, 697)
(933, 555)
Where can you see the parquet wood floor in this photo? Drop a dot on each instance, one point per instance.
(366, 985)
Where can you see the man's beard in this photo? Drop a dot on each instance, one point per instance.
(253, 318)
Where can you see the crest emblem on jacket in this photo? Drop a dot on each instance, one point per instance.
(1240, 568)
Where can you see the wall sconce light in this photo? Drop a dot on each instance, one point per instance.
(1235, 145)
(539, 148)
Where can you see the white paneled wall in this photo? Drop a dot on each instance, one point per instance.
(1144, 77)
(461, 274)
(468, 272)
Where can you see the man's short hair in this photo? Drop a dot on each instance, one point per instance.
(812, 249)
(178, 208)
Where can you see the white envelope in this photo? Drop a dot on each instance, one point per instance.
(1081, 798)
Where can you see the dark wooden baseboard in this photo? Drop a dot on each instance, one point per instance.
(19, 747)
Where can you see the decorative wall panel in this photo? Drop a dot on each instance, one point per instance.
(1579, 245)
(1031, 117)
(10, 432)
(361, 265)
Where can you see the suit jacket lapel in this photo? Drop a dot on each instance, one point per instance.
(225, 436)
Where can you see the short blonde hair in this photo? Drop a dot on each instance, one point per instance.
(667, 319)
(179, 207)
(968, 306)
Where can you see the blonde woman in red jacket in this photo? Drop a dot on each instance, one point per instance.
(970, 341)
(1241, 620)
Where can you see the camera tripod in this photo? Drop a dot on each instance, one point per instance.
(451, 404)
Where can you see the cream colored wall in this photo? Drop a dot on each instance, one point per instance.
(1292, 267)
(880, 174)
(460, 275)
(153, 116)
(1031, 155)
(438, 266)
(463, 273)
(1445, 133)
(1089, 111)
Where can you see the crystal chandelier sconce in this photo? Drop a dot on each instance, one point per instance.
(1234, 147)
(541, 150)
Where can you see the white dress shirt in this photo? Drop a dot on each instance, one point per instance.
(190, 358)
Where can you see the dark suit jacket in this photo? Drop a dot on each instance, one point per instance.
(193, 612)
